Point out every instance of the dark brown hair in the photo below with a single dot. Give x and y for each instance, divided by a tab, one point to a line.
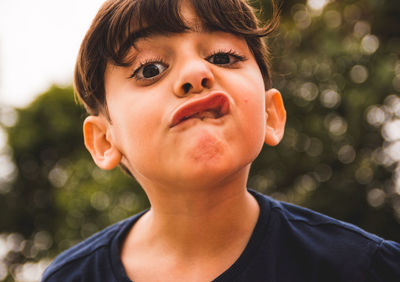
119	23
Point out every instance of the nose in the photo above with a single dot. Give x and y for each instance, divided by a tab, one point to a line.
194	76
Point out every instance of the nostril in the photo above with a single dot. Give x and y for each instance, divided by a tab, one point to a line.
186	87
204	82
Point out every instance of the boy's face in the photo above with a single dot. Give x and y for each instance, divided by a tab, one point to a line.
190	109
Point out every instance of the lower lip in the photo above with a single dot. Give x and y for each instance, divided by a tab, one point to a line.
193	121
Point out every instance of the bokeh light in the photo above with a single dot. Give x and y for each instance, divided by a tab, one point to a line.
369	44
359	74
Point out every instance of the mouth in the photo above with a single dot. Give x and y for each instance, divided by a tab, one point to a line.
213	106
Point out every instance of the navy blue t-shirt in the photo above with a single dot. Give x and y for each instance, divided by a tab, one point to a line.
289	243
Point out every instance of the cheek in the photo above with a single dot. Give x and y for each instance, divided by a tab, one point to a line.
252	115
135	128
255	124
250	94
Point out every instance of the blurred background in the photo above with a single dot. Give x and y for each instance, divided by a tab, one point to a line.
337	64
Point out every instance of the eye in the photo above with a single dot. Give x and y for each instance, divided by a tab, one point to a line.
225	58
149	70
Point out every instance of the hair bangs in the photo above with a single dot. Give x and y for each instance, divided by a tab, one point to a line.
225	16
139	19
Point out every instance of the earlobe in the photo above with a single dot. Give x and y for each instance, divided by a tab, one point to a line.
98	142
275	117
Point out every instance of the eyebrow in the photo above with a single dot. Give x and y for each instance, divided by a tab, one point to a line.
144	34
138	35
147	32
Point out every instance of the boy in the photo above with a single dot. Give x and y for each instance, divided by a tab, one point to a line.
179	95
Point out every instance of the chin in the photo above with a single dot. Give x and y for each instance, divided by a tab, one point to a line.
212	173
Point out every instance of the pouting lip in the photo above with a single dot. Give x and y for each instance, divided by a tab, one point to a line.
216	102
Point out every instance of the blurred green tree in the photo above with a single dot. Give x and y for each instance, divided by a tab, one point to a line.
56	196
337	64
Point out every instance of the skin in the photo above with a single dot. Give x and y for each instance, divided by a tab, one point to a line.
194	174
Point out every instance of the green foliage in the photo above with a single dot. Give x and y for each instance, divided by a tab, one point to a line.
339	71
336	68
58	196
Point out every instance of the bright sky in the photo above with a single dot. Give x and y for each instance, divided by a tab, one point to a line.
39	41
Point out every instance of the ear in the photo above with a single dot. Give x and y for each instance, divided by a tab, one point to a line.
275	117
98	142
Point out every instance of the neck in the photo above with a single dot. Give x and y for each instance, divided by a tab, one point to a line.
199	222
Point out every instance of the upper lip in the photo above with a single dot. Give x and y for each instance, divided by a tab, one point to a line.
218	103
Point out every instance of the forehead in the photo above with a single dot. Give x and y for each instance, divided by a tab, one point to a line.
188	21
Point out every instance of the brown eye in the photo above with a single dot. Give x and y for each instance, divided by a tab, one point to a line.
149	71
220	59
225	59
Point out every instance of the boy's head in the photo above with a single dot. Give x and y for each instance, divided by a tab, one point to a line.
119	23
177	90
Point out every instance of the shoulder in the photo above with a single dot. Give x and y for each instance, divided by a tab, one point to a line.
304	237
304	220
79	260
